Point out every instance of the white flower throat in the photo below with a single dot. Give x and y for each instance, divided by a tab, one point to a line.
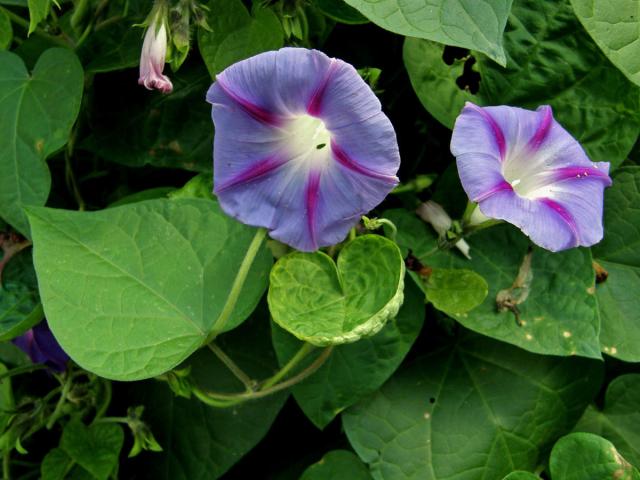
308	141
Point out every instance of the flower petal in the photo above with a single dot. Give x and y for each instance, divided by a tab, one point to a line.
301	146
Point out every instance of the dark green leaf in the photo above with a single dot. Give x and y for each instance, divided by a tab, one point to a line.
138	127
354	370
619	420
37	112
556	306
584	456
325	303
619	255
339	11
236	34
201	442
6	31
335	465
132	291
95	448
475	409
521	476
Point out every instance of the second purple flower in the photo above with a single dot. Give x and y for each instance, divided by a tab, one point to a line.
301	146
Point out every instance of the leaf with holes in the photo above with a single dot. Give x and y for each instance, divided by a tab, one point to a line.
618	257
130	292
37	112
619	420
550	60
474	24
474	406
584	456
615	27
325	303
355	370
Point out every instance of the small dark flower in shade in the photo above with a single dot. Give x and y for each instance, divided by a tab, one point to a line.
521	166
301	146
42	347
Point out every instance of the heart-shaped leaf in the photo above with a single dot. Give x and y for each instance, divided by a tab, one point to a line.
476	406
356	369
589	96
584	456
615	26
475	24
235	34
324	303
95	448
619	420
130	292
37	112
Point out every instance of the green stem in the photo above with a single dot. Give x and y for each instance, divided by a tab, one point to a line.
112	420
102	409
305	350
352	234
233	367
229	399
394	230
238	283
18	20
6	465
23	369
57	412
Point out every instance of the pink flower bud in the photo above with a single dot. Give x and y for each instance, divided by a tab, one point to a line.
154	50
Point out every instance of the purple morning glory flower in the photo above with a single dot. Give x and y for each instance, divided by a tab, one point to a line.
42	347
301	146
523	167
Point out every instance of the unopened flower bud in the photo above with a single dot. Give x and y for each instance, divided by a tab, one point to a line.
154	50
433	213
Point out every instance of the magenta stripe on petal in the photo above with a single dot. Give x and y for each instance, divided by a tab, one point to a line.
255	171
565	215
343	159
311	203
498	135
315	104
256	112
503	185
543	129
568	173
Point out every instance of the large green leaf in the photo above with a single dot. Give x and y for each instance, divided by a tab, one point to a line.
335	465
474	24
20	307
37	112
619	255
550	61
324	303
455	291
357	369
236	34
619	420
521	476
557	310
475	409
137	127
95	448
584	456
615	26
201	442
131	291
